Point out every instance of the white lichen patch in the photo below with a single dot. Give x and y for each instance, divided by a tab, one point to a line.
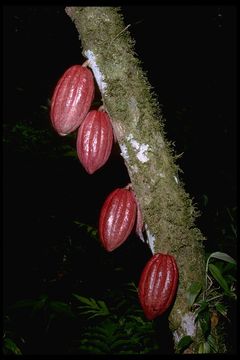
150	239
134	144
188	327
96	71
162	175
188	324
140	149
124	151
141	154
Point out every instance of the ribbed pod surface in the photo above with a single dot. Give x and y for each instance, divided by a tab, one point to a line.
117	218
158	284
72	99
94	140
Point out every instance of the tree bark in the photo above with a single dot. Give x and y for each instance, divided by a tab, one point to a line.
168	211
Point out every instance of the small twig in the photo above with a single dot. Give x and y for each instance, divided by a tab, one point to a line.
215	297
119	34
211	282
86	63
214	289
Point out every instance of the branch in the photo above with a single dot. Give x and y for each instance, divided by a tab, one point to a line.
138	123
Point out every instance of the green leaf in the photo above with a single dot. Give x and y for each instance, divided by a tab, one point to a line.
230	279
90	349
94	304
127	352
92	231
229	268
204	348
76	222
103	307
96	343
221	309
95	335
132	287
88	312
97	308
222	256
192	292
121	342
61	307
10	345
71	153
138	319
218	277
40	303
184	343
203	306
83	299
212	343
109	327
95	314
205	322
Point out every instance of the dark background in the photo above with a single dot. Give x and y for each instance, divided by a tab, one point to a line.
189	54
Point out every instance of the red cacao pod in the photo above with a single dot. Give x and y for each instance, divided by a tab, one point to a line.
72	99
158	284
117	218
94	140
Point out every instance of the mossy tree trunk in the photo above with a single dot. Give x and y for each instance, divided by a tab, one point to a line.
139	127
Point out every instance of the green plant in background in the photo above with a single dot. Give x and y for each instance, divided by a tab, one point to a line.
10	347
115	328
115	324
90	230
210	304
92	307
48	308
35	137
10	340
121	327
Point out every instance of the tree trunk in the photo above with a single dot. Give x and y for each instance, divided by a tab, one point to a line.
127	96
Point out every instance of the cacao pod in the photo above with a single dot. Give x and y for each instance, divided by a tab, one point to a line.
158	284
117	218
72	99
94	140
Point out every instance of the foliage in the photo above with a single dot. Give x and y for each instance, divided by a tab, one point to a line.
118	326
10	340
121	330
91	306
10	347
38	138
210	304
47	308
115	328
115	323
